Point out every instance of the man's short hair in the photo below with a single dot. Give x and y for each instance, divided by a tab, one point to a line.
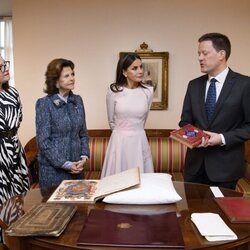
220	42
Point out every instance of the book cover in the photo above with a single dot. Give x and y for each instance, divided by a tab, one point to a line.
189	135
131	230
237	209
89	191
43	220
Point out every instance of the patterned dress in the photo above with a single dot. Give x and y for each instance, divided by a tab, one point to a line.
13	169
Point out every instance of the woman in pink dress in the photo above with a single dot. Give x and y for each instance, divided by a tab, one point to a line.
128	103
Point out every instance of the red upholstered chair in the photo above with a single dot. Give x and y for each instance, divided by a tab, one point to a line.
31	152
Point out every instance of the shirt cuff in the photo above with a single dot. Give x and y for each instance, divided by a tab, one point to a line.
223	140
84	157
67	165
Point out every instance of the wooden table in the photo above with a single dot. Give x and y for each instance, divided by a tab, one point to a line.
196	198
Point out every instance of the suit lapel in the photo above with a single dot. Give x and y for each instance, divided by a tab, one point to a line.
201	97
226	89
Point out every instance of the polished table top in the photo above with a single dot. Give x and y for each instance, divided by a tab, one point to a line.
195	198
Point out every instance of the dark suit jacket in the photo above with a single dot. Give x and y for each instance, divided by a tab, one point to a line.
231	118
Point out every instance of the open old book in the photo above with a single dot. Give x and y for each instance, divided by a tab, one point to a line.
90	191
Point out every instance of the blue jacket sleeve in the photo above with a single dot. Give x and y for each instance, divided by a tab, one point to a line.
84	133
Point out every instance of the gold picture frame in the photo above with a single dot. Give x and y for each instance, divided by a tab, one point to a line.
155	66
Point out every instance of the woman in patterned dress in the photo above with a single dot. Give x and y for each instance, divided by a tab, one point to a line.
13	169
128	104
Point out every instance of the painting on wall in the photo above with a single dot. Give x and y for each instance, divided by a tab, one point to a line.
155	68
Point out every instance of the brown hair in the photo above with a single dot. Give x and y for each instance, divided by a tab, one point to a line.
53	72
5	86
220	42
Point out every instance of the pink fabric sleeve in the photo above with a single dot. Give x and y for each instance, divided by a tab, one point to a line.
110	102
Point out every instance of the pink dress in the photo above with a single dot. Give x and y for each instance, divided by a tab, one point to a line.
128	146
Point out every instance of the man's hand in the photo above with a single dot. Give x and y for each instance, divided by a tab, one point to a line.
215	139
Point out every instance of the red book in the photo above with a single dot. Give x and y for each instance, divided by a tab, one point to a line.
189	135
106	228
237	209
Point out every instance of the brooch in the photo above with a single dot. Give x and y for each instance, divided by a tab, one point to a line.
57	102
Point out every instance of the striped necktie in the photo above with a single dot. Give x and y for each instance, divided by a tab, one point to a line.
211	99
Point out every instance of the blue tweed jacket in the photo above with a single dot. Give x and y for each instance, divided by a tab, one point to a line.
61	136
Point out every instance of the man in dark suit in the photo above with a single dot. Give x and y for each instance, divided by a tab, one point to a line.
219	160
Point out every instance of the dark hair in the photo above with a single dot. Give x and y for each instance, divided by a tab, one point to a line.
53	72
220	42
5	86
124	62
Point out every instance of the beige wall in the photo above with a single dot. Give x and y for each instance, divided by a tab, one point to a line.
93	32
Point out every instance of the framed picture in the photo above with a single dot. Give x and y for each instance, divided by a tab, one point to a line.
155	66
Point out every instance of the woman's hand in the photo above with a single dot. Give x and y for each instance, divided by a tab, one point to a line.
78	166
75	168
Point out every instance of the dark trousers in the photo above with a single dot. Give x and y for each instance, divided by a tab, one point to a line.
202	178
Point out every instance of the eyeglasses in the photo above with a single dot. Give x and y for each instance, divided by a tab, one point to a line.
5	66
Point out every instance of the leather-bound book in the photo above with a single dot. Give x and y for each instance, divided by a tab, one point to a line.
189	135
106	228
237	209
43	220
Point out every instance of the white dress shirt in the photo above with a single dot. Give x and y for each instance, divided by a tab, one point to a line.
219	84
